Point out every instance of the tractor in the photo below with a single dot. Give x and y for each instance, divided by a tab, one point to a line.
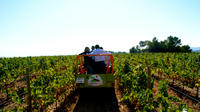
99	79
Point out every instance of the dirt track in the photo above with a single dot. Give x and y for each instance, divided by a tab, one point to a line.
97	100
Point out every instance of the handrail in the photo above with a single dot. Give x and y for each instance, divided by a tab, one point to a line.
96	55
77	60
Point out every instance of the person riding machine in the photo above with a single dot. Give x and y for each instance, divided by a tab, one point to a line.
91	73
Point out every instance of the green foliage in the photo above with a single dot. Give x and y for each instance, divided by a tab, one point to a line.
133	73
52	76
134	49
49	77
134	83
172	44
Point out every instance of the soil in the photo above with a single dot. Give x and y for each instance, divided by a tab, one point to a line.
67	105
123	107
94	100
97	100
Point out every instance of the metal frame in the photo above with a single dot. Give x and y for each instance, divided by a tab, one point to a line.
79	63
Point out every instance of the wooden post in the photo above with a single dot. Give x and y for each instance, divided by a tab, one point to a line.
40	63
197	92
29	90
149	77
197	86
199	58
6	85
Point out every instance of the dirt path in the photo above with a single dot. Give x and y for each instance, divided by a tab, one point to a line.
97	100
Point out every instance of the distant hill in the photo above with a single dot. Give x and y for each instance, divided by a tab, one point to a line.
195	49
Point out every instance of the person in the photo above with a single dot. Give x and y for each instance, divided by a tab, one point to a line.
93	48
100	62
86	51
87	60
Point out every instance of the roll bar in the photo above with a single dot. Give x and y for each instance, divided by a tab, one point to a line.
79	63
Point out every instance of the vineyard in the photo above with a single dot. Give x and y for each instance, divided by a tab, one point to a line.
49	77
38	83
137	73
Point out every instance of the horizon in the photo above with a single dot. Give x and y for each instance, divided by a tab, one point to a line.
194	50
49	28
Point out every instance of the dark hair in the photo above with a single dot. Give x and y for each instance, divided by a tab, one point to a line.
87	49
92	47
97	46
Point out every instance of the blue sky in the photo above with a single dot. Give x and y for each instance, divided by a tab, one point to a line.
65	27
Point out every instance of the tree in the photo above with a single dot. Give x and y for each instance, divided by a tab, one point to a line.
154	45
185	48
171	44
173	41
144	43
135	49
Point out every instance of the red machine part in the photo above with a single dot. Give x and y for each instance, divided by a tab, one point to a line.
79	63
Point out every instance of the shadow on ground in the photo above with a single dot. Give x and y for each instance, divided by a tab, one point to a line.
97	100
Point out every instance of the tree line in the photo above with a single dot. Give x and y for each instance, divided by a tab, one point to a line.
171	44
